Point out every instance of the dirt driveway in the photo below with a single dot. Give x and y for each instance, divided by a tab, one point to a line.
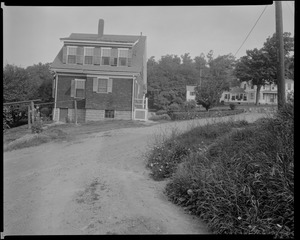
96	184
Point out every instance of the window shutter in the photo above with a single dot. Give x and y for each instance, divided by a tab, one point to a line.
109	85
95	84
79	56
64	59
73	88
97	55
129	57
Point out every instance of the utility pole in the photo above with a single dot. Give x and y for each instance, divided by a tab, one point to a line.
280	54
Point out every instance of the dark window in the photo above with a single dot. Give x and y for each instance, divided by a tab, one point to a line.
88	60
80	93
232	97
105	60
72	59
122	61
109	113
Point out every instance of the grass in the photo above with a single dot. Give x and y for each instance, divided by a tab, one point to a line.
21	137
237	177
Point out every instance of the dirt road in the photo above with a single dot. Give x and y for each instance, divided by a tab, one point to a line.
96	184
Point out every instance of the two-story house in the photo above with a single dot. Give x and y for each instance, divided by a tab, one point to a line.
246	93
100	76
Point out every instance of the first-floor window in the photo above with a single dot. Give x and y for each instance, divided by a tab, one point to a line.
289	86
78	88
192	93
102	85
232	97
109	113
251	95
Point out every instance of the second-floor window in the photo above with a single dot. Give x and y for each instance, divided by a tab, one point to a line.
106	53
289	86
71	54
88	55
122	57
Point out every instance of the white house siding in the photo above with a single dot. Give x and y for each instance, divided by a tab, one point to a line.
267	95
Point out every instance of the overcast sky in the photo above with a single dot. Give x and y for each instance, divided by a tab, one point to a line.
31	34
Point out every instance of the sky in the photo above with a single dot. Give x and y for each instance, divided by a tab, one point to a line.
32	34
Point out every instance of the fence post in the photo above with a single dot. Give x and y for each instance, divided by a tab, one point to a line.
32	111
28	116
75	106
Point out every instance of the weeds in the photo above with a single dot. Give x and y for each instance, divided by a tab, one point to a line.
237	177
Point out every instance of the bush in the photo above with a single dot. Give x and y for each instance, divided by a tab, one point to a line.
160	117
160	112
189	105
37	127
244	182
174	107
232	106
194	115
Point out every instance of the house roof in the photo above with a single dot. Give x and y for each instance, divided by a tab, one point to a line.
137	53
104	38
190	88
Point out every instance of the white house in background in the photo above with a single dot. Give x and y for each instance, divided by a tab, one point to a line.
190	93
246	93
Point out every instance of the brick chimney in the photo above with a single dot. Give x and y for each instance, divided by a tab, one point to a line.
100	28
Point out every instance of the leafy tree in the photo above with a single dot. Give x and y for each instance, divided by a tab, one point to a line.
41	78
254	67
209	94
218	77
270	48
260	65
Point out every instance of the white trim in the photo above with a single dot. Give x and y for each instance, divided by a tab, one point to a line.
55	97
98	42
109	76
132	107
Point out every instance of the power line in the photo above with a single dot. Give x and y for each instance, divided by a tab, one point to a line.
251	30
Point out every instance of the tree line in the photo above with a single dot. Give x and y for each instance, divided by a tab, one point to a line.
167	78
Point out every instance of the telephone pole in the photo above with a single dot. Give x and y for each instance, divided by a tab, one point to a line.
280	55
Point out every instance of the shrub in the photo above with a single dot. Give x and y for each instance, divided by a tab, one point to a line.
232	106
160	112
37	127
189	105
174	107
194	115
160	117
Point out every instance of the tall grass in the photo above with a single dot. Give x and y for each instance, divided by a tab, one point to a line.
242	181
